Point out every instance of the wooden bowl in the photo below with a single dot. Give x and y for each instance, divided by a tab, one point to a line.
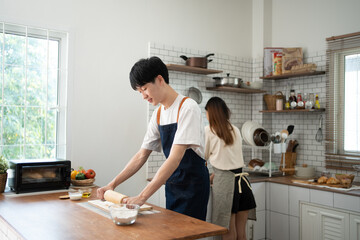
85	182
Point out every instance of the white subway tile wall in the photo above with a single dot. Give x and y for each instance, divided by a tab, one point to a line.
246	107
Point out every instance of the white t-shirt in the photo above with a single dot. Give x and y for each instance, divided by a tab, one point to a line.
221	156
190	129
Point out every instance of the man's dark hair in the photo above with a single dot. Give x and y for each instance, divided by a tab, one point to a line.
146	70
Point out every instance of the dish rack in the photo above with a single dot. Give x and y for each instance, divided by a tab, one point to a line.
269	172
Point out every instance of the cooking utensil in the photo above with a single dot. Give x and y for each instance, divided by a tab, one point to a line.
261	137
319	134
195	94
290	129
200	62
284	135
227	81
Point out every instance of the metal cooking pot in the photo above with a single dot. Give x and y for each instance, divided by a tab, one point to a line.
227	81
197	61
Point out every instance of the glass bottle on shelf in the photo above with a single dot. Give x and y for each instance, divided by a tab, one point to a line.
305	99
300	102
310	101
292	99
317	103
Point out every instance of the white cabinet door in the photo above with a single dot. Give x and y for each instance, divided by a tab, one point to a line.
259	190
354	226
323	223
309	223
279	198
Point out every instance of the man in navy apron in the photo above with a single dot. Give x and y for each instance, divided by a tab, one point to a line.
176	127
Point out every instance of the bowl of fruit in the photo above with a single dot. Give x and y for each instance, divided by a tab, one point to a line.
82	177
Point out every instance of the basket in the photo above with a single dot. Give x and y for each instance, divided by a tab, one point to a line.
3	178
85	182
270	100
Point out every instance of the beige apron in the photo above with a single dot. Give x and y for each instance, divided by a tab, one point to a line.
222	196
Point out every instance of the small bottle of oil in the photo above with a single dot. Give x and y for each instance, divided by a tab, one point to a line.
86	193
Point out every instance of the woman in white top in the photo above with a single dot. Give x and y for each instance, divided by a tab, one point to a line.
232	194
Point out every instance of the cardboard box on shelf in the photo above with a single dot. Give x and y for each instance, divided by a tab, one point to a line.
268	60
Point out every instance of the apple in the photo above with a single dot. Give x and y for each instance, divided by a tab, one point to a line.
90	173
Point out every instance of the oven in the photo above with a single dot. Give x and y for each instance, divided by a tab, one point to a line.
32	175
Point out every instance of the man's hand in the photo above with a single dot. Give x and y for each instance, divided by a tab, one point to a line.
134	200
101	191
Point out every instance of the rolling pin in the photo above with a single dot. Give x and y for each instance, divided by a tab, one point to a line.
114	197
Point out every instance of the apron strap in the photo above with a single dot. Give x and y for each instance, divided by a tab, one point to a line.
177	119
158	115
182	101
242	176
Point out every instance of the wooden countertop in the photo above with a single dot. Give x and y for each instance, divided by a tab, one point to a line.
45	216
287	180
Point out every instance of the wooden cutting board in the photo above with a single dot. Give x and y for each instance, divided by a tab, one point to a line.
104	205
321	184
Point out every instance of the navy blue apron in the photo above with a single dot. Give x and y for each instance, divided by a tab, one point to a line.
187	189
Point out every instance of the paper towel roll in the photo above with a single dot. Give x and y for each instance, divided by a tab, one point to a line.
114	197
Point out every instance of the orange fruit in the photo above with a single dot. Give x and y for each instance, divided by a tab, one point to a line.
73	174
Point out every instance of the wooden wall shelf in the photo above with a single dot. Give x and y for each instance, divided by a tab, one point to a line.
295	111
197	70
293	75
235	89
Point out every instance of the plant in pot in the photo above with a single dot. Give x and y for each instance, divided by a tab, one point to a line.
4	166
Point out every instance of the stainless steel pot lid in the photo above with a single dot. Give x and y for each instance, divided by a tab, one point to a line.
195	94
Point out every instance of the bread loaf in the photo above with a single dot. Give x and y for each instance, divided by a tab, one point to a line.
322	179
256	162
333	180
114	197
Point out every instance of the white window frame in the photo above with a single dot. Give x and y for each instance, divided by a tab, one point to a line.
340	65
61	107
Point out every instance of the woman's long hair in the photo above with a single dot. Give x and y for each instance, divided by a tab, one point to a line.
219	119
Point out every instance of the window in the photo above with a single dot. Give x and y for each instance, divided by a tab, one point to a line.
33	76
343	102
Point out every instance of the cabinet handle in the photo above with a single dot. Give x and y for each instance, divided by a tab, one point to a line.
252	232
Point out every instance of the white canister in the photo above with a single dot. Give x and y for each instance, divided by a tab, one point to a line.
277	147
279	104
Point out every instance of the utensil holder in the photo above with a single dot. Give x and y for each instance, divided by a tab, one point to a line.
277	147
290	162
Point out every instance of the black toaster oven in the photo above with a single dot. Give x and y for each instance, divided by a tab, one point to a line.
32	175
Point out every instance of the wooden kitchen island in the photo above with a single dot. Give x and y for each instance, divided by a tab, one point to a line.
45	216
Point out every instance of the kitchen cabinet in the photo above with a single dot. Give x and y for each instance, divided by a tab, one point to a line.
354	226
255	230
293	75
319	222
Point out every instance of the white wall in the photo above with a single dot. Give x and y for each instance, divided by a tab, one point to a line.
107	119
308	23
